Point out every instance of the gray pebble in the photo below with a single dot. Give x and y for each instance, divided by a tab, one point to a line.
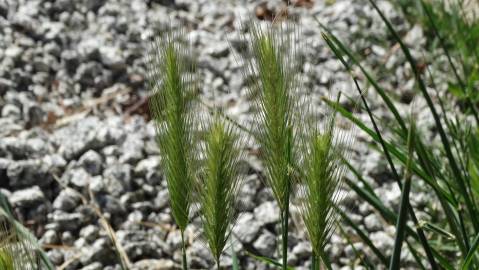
265	244
29	197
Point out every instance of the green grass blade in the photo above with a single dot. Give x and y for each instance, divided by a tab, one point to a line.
436	229
404	206
470	255
362	257
415	254
363	236
366	185
339	50
391	218
391	148
234	257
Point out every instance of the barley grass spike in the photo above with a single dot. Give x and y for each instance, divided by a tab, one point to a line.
172	86
219	185
274	65
322	179
17	251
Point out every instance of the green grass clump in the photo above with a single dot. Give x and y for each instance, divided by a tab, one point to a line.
219	184
447	238
172	106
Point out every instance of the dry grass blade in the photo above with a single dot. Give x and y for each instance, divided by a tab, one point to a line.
122	256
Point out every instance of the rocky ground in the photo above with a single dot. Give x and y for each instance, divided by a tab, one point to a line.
76	136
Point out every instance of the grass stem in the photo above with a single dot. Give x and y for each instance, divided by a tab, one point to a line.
314	262
325	259
284	237
183	250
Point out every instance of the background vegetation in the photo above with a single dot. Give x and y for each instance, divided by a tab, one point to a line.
313	158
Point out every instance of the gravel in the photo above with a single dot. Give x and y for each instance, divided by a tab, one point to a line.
74	114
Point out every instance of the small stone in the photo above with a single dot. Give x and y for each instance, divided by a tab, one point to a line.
415	36
67	221
372	223
91	75
150	169
67	200
26	173
200	258
152	264
92	162
382	240
302	250
12	111
132	149
29	197
67	238
350	252
118	178
218	49
142	249
78	177
265	244
88	49
5	85
75	139
71	60
112	58
152	163
162	199
246	228
50	237
34	114
101	251
89	233
13	52
267	213
93	266
111	205
97	184
55	256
